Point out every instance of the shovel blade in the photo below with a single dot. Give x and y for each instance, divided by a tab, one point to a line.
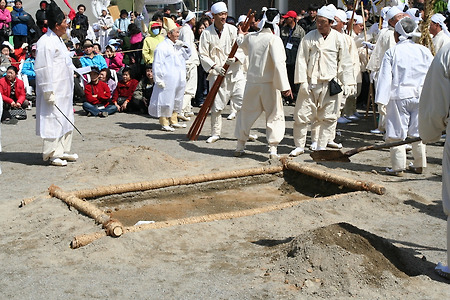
329	155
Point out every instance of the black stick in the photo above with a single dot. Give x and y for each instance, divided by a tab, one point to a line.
82	137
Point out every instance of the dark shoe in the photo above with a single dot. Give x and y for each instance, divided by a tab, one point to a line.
417	170
12	121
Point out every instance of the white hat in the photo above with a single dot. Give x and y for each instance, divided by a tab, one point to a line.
384	10
242	18
190	16
393	12
414	14
349	14
341	15
209	14
440	19
358	19
328	12
219	7
400	30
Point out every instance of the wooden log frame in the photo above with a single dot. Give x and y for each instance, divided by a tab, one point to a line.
73	199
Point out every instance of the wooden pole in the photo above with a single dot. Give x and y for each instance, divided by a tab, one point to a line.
350	28
199	121
425	39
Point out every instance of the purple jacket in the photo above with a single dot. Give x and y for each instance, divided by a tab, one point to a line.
5	18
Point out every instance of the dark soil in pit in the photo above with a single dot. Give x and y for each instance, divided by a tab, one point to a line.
340	258
214	197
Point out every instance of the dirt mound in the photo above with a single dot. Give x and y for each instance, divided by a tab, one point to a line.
340	258
121	164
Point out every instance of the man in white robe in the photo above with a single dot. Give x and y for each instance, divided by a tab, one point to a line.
215	45
54	90
384	42
266	77
169	73
434	114
187	36
439	30
323	56
399	86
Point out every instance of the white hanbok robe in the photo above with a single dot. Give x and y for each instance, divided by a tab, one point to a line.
187	36
440	40
398	80
434	113
384	42
105	34
54	73
169	66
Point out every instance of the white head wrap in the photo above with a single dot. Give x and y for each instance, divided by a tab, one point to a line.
219	7
341	15
359	19
392	12
328	12
209	14
190	16
403	35
412	14
349	14
241	19
274	22
440	19
384	10
105	9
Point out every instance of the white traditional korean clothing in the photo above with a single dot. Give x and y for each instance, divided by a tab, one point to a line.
266	77
440	40
54	73
187	36
169	66
434	114
318	61
105	34
399	86
214	51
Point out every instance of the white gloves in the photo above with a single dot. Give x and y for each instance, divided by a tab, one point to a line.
50	97
179	43
349	90
161	84
368	45
230	61
220	70
372	76
304	88
24	45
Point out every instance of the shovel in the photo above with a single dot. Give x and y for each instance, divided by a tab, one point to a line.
338	155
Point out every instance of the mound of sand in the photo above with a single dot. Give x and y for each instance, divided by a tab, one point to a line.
340	258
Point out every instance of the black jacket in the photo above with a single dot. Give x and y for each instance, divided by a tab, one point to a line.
293	37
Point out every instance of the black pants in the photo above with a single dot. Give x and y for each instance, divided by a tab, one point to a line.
294	87
18	40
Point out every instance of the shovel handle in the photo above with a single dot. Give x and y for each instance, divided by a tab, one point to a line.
381	146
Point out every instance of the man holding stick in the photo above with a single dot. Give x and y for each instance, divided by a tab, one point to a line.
215	45
267	76
54	90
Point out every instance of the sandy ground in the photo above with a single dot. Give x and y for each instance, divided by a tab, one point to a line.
385	247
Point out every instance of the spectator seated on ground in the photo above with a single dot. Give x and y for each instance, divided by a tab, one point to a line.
105	76
113	59
124	91
28	68
13	92
21	53
143	92
91	58
98	97
6	59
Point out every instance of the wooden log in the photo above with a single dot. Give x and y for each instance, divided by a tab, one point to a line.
162	183
85	239
113	227
357	185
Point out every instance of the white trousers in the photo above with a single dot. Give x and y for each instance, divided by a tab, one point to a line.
259	98
54	148
191	88
398	155
315	107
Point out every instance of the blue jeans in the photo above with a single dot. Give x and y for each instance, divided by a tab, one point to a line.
93	109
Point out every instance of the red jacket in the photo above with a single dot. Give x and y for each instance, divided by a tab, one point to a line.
5	89
101	89
125	90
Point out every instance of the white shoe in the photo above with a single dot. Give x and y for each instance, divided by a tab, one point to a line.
353	118
252	137
231	116
58	162
321	148
313	146
297	151
273	155
343	120
178	125
376	131
213	139
183	118
189	114
167	128
333	144
69	157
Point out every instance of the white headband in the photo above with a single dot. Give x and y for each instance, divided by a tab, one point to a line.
393	12
400	30
274	22
189	17
219	7
439	19
328	12
341	15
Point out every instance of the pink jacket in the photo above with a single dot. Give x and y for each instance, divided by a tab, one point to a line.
115	63
5	17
